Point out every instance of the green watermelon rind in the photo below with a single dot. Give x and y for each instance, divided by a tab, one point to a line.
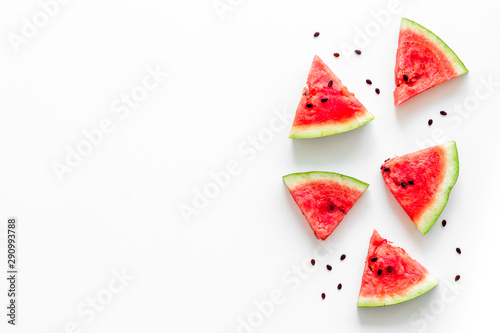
316	131
429	282
427	219
301	178
450	54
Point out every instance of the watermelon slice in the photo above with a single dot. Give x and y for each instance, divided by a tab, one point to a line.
423	61
326	106
324	198
421	182
391	276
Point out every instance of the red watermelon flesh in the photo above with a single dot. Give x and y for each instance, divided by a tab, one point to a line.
324	198
423	61
421	182
326	106
391	276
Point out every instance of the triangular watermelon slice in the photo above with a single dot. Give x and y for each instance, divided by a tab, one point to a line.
423	61
324	198
421	182
391	276
326	106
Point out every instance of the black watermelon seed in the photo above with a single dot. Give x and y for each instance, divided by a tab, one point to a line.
369	81
403	184
309	105
381	167
387	169
443	113
358	51
457	277
342	257
370	267
373	259
430	122
459	251
411	182
328	267
389	270
323	296
330	83
377	91
405	77
336	55
316	34
323	100
313	262
387	159
305	93
332	207
444	223
339	286
379	272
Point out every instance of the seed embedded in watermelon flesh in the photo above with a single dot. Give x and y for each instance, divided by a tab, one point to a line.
404	277
315	118
423	61
324	198
433	172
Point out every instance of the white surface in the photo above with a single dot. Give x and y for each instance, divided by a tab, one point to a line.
119	209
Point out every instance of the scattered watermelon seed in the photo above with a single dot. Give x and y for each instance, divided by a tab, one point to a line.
377	90
387	169
369	81
336	55
370	267
387	159
389	270
430	122
459	251
323	100
373	259
403	184
443	113
332	207
339	286
457	277
342	257
330	83
358	51
379	272
444	223
405	77
411	182
309	105
323	295
328	267
313	262
316	34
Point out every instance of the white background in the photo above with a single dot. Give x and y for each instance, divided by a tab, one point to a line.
118	211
